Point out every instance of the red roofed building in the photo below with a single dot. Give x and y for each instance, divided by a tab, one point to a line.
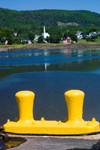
67	40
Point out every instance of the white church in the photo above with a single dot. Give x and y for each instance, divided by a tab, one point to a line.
45	34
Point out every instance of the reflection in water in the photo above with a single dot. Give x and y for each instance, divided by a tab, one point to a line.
69	52
87	65
29	53
48	57
46	66
11	142
14	142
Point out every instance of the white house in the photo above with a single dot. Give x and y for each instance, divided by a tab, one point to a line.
92	34
79	35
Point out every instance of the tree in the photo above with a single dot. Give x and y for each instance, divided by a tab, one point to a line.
55	35
93	29
24	38
55	38
48	39
71	34
74	37
91	39
10	39
40	39
31	36
6	34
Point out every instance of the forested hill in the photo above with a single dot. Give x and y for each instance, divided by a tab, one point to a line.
15	19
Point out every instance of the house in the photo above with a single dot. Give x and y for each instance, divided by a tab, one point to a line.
92	34
79	35
6	42
67	40
98	33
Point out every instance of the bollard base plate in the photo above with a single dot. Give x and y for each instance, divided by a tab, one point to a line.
43	127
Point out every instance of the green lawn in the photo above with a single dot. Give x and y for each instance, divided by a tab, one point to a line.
87	42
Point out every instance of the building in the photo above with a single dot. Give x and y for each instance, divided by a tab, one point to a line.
92	34
36	37
6	42
45	34
67	40
79	35
15	33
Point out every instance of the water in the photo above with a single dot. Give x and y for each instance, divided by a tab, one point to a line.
11	142
50	73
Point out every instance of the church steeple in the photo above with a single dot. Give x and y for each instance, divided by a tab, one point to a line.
44	29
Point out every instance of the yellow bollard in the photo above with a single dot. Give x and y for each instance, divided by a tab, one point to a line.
74	100
74	125
25	100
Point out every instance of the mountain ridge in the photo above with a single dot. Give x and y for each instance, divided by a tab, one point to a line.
48	17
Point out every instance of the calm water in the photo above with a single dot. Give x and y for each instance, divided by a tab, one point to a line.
11	142
50	73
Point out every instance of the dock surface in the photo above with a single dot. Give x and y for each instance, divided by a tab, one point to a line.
62	143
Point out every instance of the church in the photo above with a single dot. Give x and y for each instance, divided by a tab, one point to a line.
45	34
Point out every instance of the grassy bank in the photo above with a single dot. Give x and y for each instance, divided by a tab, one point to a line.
49	44
29	45
80	44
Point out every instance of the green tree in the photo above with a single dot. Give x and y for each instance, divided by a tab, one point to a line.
24	38
55	38
91	39
48	39
71	34
31	36
7	34
55	35
40	39
93	29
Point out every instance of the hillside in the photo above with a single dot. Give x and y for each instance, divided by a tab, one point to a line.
16	19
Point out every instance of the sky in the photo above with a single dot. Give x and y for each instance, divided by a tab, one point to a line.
91	5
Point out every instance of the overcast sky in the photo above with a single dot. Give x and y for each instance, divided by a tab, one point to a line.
91	5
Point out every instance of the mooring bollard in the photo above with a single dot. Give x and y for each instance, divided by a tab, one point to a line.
74	125
74	100
25	100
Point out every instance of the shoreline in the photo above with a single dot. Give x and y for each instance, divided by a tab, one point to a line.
35	47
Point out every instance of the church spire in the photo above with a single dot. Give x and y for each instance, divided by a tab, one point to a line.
44	29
